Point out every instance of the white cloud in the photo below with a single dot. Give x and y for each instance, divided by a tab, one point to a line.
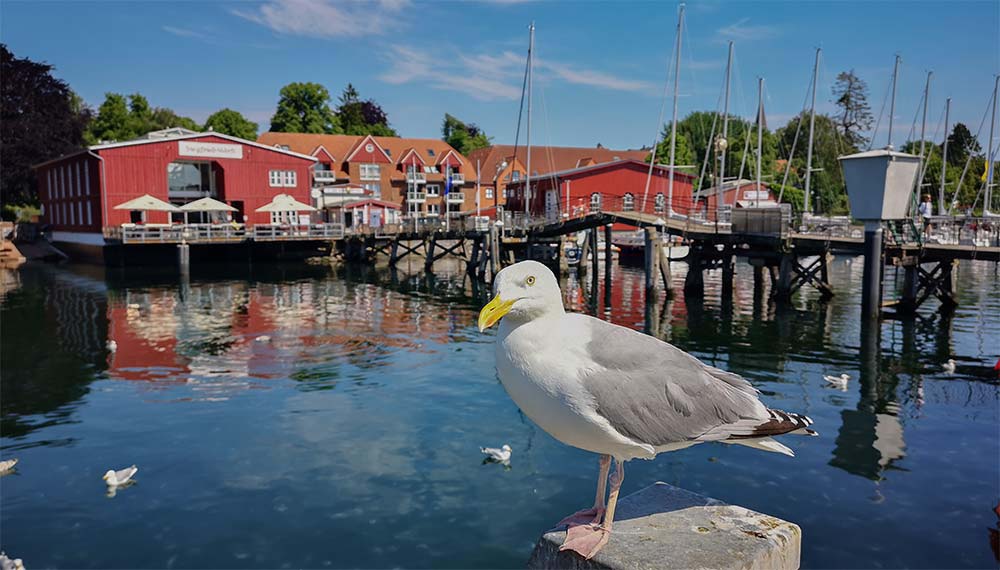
325	18
492	76
742	31
185	32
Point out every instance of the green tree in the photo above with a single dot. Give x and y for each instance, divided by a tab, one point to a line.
112	122
463	137
230	122
40	119
829	195
850	93
305	108
359	117
961	144
163	118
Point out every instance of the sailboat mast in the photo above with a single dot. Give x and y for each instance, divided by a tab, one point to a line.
988	194
812	125
760	134
527	180
673	121
725	134
944	156
892	105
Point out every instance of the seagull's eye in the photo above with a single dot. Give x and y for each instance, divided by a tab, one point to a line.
530	280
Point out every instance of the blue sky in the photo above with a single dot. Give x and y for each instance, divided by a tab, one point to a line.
600	68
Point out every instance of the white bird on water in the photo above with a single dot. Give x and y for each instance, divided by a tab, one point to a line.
7	563
112	346
614	391
837	381
949	366
7	466
120	477
501	455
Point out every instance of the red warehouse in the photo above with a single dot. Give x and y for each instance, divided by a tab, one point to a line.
117	193
618	186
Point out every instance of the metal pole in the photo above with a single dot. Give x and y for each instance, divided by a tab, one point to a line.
871	285
673	121
760	134
989	151
477	190
892	105
944	156
812	125
923	129
527	180
725	136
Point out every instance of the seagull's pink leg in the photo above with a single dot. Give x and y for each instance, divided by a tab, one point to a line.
593	514
588	539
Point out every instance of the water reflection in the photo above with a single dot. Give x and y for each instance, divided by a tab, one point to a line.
352	400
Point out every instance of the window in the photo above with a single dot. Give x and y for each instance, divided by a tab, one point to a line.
506	178
370	172
433	209
628	202
489	193
413	207
660	203
433	190
431	169
517	175
137	216
595	202
283	217
375	188
430	152
282	178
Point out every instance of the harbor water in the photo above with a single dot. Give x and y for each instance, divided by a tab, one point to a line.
322	416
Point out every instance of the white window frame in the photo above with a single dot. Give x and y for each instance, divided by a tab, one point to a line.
433	190
433	209
489	193
516	176
659	203
289	178
595	202
371	171
628	202
274	178
432	169
413	207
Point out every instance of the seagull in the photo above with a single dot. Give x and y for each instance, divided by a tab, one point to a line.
120	477
949	366
614	391
10	564
112	346
837	381
7	466
263	338
501	455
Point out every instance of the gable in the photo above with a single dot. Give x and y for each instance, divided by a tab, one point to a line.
368	150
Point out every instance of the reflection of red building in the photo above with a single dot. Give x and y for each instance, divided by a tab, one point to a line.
591	188
79	191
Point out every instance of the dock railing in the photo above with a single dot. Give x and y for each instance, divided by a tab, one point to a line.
279	232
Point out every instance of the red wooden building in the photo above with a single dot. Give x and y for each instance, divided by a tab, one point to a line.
740	193
618	185
79	191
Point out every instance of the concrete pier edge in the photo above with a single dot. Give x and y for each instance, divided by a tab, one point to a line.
664	527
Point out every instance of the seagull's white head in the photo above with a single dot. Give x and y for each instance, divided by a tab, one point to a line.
506	447
109	476
522	292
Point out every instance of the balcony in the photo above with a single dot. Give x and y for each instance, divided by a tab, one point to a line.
453	197
416	177
324	176
457	178
416	196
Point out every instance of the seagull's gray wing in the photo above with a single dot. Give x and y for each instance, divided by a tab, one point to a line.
655	393
123	475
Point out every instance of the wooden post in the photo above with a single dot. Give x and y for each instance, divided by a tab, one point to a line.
948	298
584	252
394	252
594	262
652	251
694	282
429	246
607	267
785	273
494	251
824	273
663	256
758	278
728	274
473	262
911	283
184	258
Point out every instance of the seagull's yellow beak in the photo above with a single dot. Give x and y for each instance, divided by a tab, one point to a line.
493	312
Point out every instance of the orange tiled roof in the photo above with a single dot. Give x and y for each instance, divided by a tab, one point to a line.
340	146
545	159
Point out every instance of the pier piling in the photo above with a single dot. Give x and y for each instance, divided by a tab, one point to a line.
871	286
652	265
184	258
607	266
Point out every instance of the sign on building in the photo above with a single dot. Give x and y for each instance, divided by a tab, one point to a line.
210	150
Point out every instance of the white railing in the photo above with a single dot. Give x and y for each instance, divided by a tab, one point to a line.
324	176
457	178
416	196
417	177
477	223
176	233
456	197
277	232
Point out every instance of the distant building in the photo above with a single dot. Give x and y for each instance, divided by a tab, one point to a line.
619	185
499	167
740	193
411	173
79	192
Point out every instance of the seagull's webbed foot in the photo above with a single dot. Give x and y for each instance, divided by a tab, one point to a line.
586	539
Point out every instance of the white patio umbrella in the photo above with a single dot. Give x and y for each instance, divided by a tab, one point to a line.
147	203
285	203
206	204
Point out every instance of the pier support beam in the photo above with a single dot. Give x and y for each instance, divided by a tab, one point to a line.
663	258
871	285
694	282
594	262
792	275
494	245
728	275
652	263
184	258
607	267
919	284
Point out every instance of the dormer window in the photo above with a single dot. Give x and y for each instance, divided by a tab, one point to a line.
430	152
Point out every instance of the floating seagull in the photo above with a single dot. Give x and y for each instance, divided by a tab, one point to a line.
120	477
501	455
7	466
10	564
263	338
112	346
949	366
837	381
614	391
